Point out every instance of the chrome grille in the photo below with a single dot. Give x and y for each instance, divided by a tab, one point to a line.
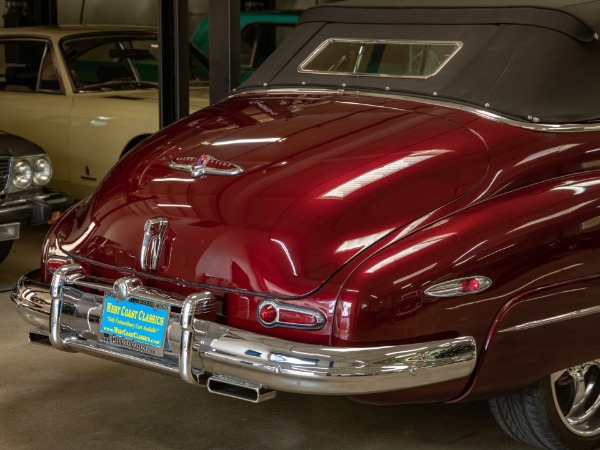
4	173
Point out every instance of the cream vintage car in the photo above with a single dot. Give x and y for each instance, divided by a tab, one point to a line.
87	95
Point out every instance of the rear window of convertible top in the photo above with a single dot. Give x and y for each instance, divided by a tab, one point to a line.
385	58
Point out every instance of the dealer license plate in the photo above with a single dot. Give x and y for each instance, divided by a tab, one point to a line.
136	324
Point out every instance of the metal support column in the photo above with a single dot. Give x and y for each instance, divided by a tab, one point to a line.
173	61
224	48
45	12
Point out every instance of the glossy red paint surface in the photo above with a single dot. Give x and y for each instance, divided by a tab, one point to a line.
529	331
355	204
323	178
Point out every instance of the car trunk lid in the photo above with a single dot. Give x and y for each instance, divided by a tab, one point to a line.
324	177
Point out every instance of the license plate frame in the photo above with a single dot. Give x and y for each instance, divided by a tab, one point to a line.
135	323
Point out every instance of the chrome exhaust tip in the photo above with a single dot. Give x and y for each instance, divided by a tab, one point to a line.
239	389
39	338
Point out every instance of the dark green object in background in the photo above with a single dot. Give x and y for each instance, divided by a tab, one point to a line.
262	32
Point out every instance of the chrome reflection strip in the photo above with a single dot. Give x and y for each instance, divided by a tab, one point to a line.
191	304
221	350
554	319
542	127
294	367
58	281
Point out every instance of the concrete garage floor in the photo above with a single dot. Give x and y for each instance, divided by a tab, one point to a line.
51	399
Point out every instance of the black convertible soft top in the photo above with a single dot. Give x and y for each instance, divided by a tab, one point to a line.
579	19
532	60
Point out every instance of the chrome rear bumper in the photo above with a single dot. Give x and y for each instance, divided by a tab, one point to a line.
207	353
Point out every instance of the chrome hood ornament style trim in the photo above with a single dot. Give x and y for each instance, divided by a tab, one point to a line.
155	231
204	165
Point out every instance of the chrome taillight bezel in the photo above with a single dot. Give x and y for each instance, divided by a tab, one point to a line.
456	287
281	308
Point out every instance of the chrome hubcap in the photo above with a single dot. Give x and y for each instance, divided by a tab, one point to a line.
576	393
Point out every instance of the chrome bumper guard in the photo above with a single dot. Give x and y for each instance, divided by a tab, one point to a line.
229	360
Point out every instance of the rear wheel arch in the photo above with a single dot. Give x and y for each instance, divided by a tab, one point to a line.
528	333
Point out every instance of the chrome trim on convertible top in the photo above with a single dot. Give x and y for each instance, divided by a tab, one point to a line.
533	126
199	350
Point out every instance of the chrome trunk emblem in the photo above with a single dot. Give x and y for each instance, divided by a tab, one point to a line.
154	236
204	165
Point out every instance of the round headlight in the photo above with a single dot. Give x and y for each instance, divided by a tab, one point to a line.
22	174
42	171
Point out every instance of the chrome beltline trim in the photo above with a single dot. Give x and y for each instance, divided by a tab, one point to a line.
554	319
198	349
533	126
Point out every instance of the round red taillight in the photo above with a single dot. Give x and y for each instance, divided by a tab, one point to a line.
474	284
470	285
268	313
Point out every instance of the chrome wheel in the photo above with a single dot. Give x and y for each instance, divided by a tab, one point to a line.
576	393
559	412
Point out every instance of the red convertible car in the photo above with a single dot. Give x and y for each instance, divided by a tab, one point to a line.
401	205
